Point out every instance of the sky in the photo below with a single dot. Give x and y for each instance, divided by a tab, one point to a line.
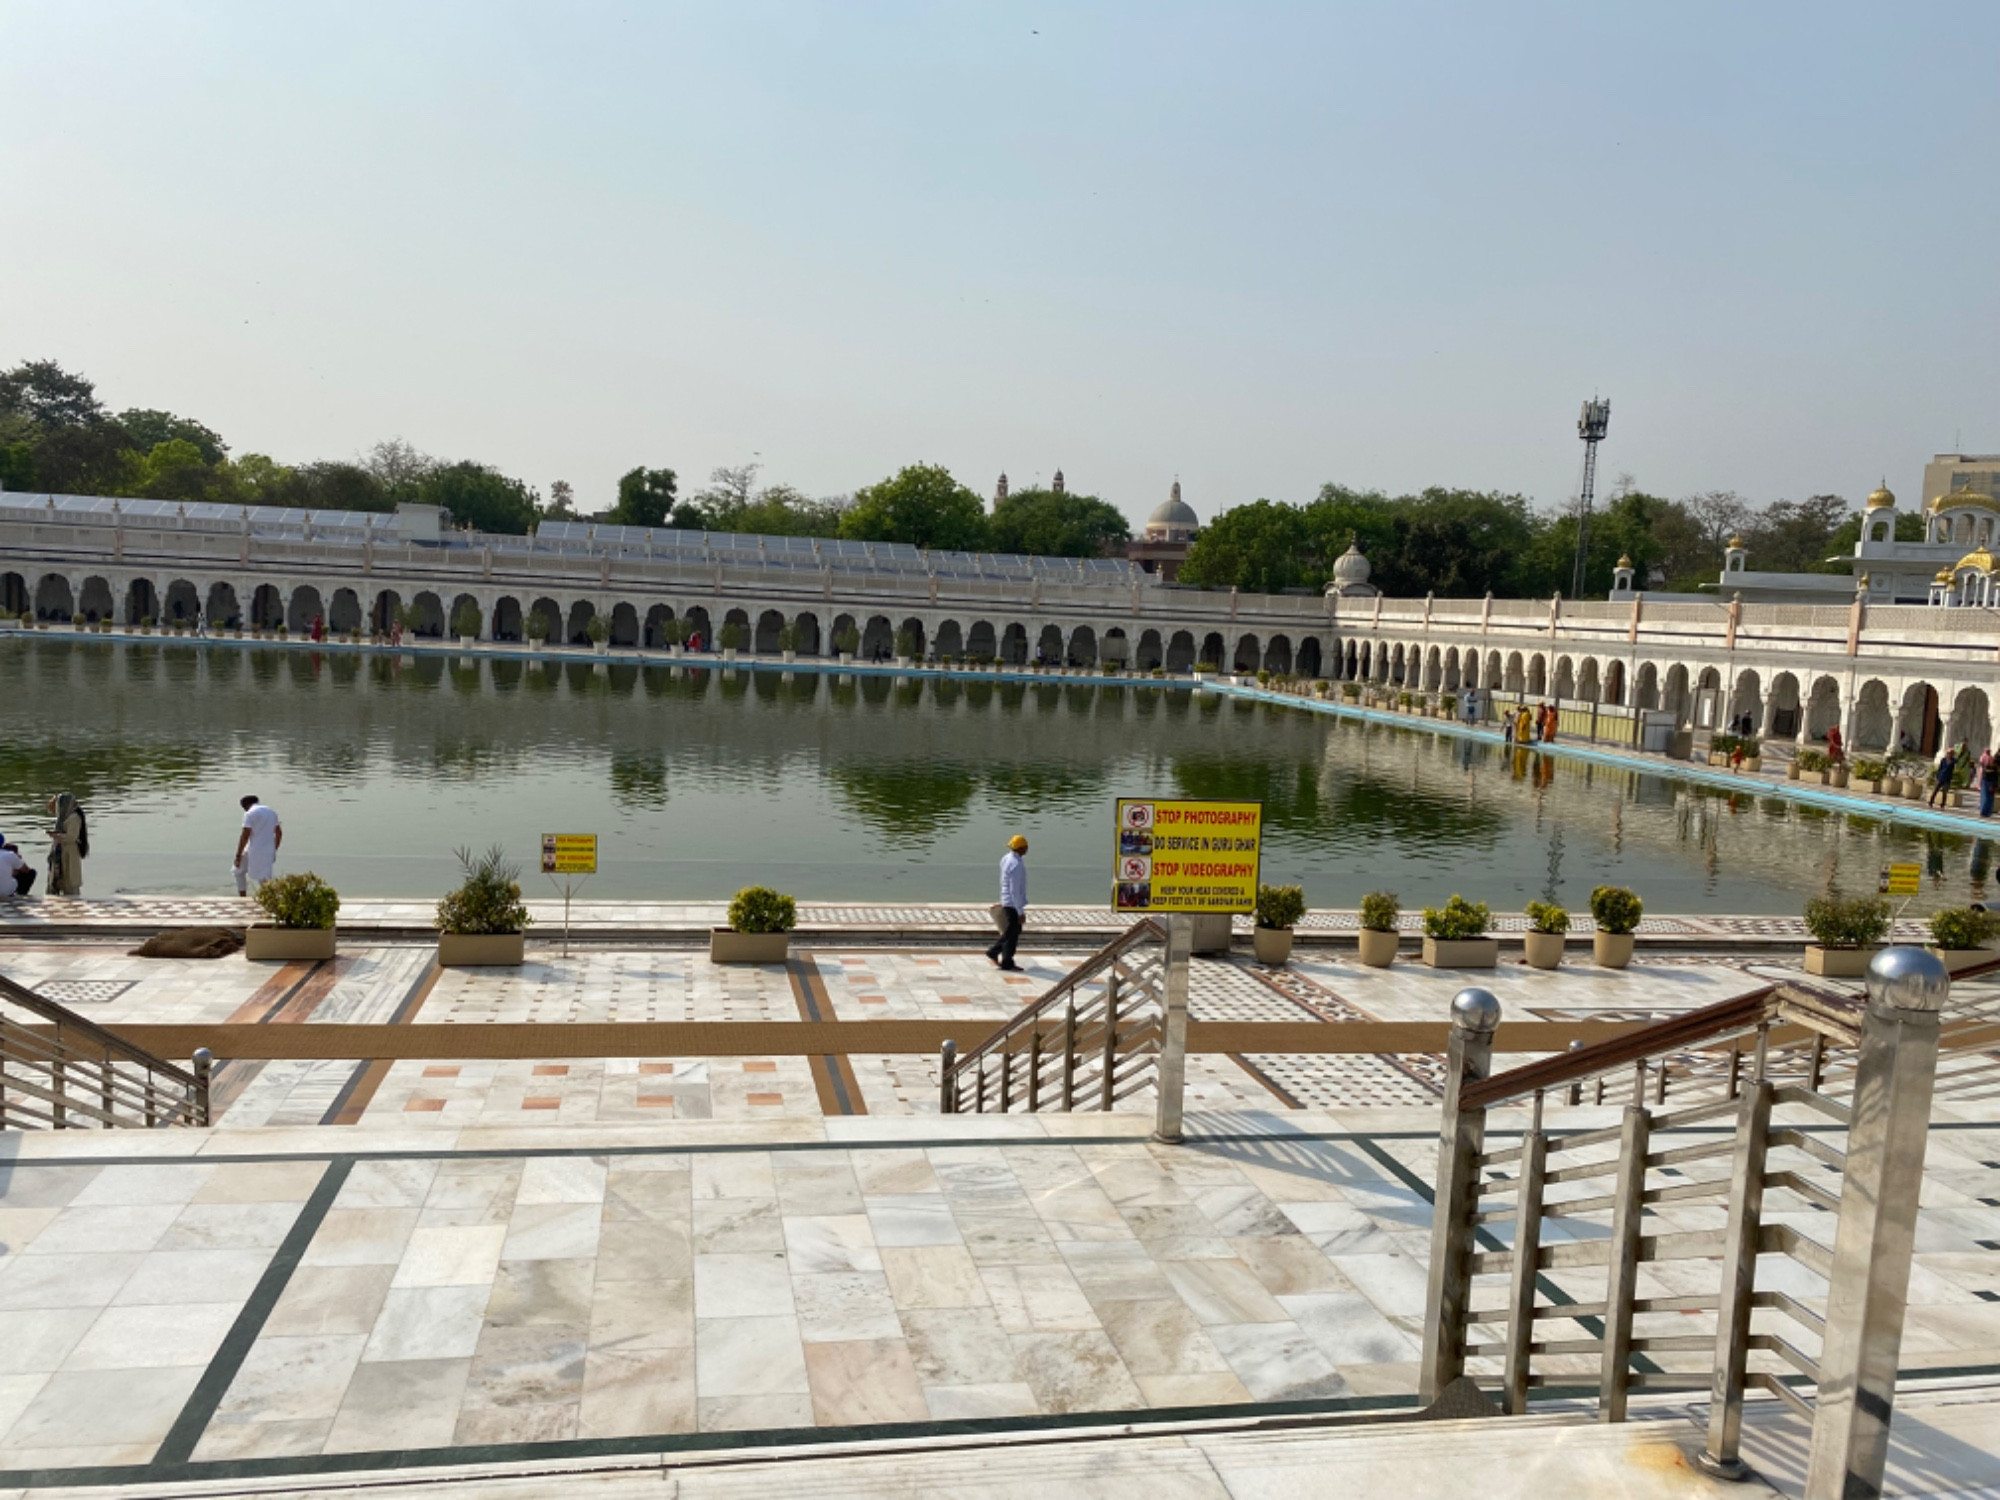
1255	247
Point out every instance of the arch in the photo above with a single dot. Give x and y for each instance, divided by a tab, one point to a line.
427	616
1350	655
96	602
1179	655
1971	720
1822	710
507	623
919	637
1588	684
1873	726
1151	653
222	606
1538	675
1646	690
765	641
1247	656
1515	678
1455	669
624	623
1014	645
878	638
301	610
576	629
1917	726
456	614
1048	646
807	626
1396	663
950	640
381	615
1746	701
550	614
53	600
1433	670
698	624
1783	715
982	642
1614	684
267	607
1082	648
1676	696
1308	662
1278	656
1368	661
1565	683
344	613
13	593
1211	649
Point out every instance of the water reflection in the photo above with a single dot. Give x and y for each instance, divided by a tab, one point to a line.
703	779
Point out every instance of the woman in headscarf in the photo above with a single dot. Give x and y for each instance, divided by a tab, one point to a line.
69	845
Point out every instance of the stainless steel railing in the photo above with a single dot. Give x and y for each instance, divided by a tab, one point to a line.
59	1071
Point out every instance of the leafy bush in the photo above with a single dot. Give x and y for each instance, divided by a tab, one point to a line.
1350	691
906	643
733	636
1263	677
302	900
848	641
1546	916
788	636
1379	911
538	626
1838	921
1456	920
758	908
1404	700
1812	760
1962	927
1615	909
1870	770
597	630
1280	906
468	619
1449	703
489	901
675	630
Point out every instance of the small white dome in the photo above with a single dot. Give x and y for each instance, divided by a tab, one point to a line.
1351	567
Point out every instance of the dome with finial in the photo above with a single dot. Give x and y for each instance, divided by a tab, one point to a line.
1351	571
1624	560
1056	484
1174	519
1882	499
1736	544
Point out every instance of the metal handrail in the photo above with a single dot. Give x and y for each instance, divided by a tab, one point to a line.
1141	931
109	1042
74	1074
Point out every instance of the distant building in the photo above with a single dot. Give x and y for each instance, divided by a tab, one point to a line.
1954	473
1170	531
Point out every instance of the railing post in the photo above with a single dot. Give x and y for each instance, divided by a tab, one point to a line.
1621	1277
1527	1250
1069	1055
947	1084
1876	1233
1171	1073
1739	1283
1035	1068
1110	1037
204	1075
1461	1137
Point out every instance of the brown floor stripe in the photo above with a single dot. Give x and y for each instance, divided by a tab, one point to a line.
290	995
1283	1095
354	1100
832	1074
273	992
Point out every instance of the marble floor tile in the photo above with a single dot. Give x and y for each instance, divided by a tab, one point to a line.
1288	1263
151	1183
845	1306
261	1182
434	1322
749	1357
1077	1371
1223	1291
754	1413
562	1179
387	1184
399	1404
921	1277
226	1439
101	1408
480	1425
959	1346
530	1293
741	1286
1116	1271
1339	1228
816	1185
1276	1361
533	1366
39	1281
737	1226
1397	1286
225	1226
330	1299
819	1244
1161	1338
636	1393
38	1341
83	1230
165	1276
894	1173
862	1381
955	1403
552	1231
292	1379
1348	1330
1212	1389
133	1338
642	1315
906	1220
1037	1298
361	1237
734	1174
465	1255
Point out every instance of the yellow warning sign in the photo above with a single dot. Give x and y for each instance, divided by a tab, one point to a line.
1902	880
1187	856
569	854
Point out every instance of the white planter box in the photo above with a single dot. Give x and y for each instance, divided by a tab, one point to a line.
729	653
483	950
1956	959
264	943
790	656
1462	953
1838	963
467	642
728	946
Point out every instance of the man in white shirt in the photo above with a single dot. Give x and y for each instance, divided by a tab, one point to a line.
1013	902
15	874
257	845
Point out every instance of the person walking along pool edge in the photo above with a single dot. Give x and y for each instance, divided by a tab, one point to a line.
257	846
1013	902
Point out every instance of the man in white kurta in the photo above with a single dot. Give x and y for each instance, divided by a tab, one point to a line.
257	845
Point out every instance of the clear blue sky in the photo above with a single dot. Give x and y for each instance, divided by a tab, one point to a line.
1257	246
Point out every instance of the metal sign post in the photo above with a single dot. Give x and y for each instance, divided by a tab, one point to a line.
568	854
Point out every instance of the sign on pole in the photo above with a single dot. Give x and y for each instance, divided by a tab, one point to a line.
1902	879
569	854
1176	856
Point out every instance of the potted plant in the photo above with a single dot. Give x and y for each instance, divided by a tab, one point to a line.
301	908
538	629
1547	925
1455	936
847	643
467	623
1959	936
1811	766
1836	775
1404	703
481	923
788	641
1615	911
1448	706
599	633
731	640
1379	934
1846	932
906	647
1351	691
1869	776
145	624
759	930
674	632
1279	908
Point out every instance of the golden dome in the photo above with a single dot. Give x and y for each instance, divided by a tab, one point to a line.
1942	578
1978	559
1624	560
1963	500
1736	544
1882	499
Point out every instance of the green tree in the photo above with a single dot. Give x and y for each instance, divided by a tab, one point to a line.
75	448
1458	544
176	470
1794	536
1051	523
1262	547
50	398
921	505
645	497
330	484
17	466
146	430
480	497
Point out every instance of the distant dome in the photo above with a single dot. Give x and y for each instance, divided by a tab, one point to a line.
1736	544
1624	560
1882	499
1174	511
1350	573
1978	558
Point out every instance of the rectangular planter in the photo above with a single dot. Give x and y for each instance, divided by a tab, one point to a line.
481	950
1873	788
728	946
265	943
1462	953
1956	959
1812	778
1838	963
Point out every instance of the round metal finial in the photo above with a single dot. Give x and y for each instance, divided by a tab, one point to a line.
1475	1010
1908	979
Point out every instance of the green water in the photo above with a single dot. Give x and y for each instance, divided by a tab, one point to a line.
700	781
